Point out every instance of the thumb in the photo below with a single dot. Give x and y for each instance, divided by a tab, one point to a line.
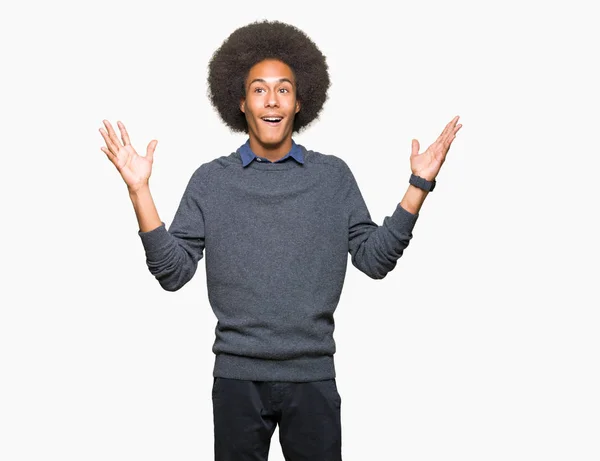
415	148
150	149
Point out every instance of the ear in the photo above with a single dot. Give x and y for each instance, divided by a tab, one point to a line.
297	106
242	105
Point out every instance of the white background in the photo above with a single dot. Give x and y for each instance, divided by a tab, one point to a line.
481	345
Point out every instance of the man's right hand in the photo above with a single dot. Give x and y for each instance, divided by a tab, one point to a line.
134	169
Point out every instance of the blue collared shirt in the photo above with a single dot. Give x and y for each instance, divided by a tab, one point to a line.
247	155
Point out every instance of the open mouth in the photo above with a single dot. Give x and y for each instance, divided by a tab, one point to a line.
273	121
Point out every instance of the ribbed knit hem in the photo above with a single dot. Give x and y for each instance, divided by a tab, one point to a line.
254	369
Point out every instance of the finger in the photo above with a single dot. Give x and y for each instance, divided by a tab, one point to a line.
449	132
108	141
150	150
124	134
452	135
112	134
450	139
415	148
112	157
449	128
441	139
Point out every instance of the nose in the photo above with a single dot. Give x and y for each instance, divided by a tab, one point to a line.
271	99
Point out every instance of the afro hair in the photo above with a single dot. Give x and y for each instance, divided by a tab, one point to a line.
248	45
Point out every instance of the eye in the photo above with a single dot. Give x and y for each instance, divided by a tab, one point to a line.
258	89
284	90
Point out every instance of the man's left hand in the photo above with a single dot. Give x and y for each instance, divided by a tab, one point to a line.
427	164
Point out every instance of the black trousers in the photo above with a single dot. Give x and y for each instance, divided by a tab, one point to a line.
247	412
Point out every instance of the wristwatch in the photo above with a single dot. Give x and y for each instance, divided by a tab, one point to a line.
421	183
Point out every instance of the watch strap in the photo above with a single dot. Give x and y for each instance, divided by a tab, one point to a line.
421	183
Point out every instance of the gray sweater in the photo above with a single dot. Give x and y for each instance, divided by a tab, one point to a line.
275	238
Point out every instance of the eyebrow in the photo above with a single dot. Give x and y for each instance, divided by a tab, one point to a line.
284	79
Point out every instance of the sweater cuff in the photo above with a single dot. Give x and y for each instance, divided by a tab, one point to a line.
402	219
156	238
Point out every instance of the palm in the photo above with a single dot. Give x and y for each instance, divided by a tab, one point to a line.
427	164
134	169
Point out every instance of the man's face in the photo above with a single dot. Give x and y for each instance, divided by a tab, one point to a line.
270	106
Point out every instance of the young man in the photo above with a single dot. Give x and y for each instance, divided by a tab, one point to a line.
276	223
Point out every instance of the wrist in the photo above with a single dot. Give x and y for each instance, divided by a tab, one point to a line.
413	199
139	190
427	176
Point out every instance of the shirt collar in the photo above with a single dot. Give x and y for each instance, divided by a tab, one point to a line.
247	155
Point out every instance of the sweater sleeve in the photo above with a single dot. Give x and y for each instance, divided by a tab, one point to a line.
375	249
172	256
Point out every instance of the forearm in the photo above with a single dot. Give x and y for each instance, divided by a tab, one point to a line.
145	209
375	249
413	199
172	255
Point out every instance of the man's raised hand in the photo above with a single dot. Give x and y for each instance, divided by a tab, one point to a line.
427	165
134	169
